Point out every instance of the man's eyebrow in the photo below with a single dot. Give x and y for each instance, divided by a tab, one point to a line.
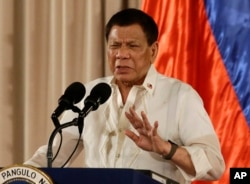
119	41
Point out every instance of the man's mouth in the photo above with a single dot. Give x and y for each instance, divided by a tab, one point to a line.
122	69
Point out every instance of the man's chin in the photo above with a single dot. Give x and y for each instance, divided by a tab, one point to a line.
124	81
123	77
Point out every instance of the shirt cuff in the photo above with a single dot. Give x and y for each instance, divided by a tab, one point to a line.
201	164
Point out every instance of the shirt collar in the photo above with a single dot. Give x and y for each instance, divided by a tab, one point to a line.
150	80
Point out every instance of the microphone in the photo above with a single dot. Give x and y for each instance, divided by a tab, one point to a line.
72	95
98	95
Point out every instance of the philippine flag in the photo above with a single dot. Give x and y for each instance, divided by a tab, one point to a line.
206	43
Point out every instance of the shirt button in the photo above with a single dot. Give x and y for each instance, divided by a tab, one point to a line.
118	155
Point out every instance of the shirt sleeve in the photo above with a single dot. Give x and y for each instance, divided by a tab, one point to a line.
199	138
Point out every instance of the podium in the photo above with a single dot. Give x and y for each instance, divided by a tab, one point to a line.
98	176
25	173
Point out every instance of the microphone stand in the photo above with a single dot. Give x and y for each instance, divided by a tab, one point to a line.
80	122
74	122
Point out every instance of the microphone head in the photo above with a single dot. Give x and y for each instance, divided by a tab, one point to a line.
73	94
101	91
98	95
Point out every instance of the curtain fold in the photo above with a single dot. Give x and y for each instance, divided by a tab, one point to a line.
44	47
194	46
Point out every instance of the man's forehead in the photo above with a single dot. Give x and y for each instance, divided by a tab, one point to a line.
116	40
128	33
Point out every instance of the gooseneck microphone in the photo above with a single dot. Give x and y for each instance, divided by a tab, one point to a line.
98	95
72	95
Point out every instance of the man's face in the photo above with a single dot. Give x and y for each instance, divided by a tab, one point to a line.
129	54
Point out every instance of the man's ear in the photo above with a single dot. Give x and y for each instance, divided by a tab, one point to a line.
154	50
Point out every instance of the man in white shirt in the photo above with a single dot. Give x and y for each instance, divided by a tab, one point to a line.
150	121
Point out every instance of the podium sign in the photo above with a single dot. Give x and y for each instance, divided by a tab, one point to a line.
23	174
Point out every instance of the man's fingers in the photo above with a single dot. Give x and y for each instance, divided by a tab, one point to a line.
154	131
145	120
141	124
132	135
134	119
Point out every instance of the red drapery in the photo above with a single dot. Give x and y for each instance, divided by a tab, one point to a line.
188	51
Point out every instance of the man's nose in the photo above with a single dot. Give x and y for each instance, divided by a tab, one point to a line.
122	53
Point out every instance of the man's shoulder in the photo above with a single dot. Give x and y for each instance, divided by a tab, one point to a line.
171	81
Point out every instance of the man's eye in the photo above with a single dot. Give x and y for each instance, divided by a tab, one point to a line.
114	45
133	45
